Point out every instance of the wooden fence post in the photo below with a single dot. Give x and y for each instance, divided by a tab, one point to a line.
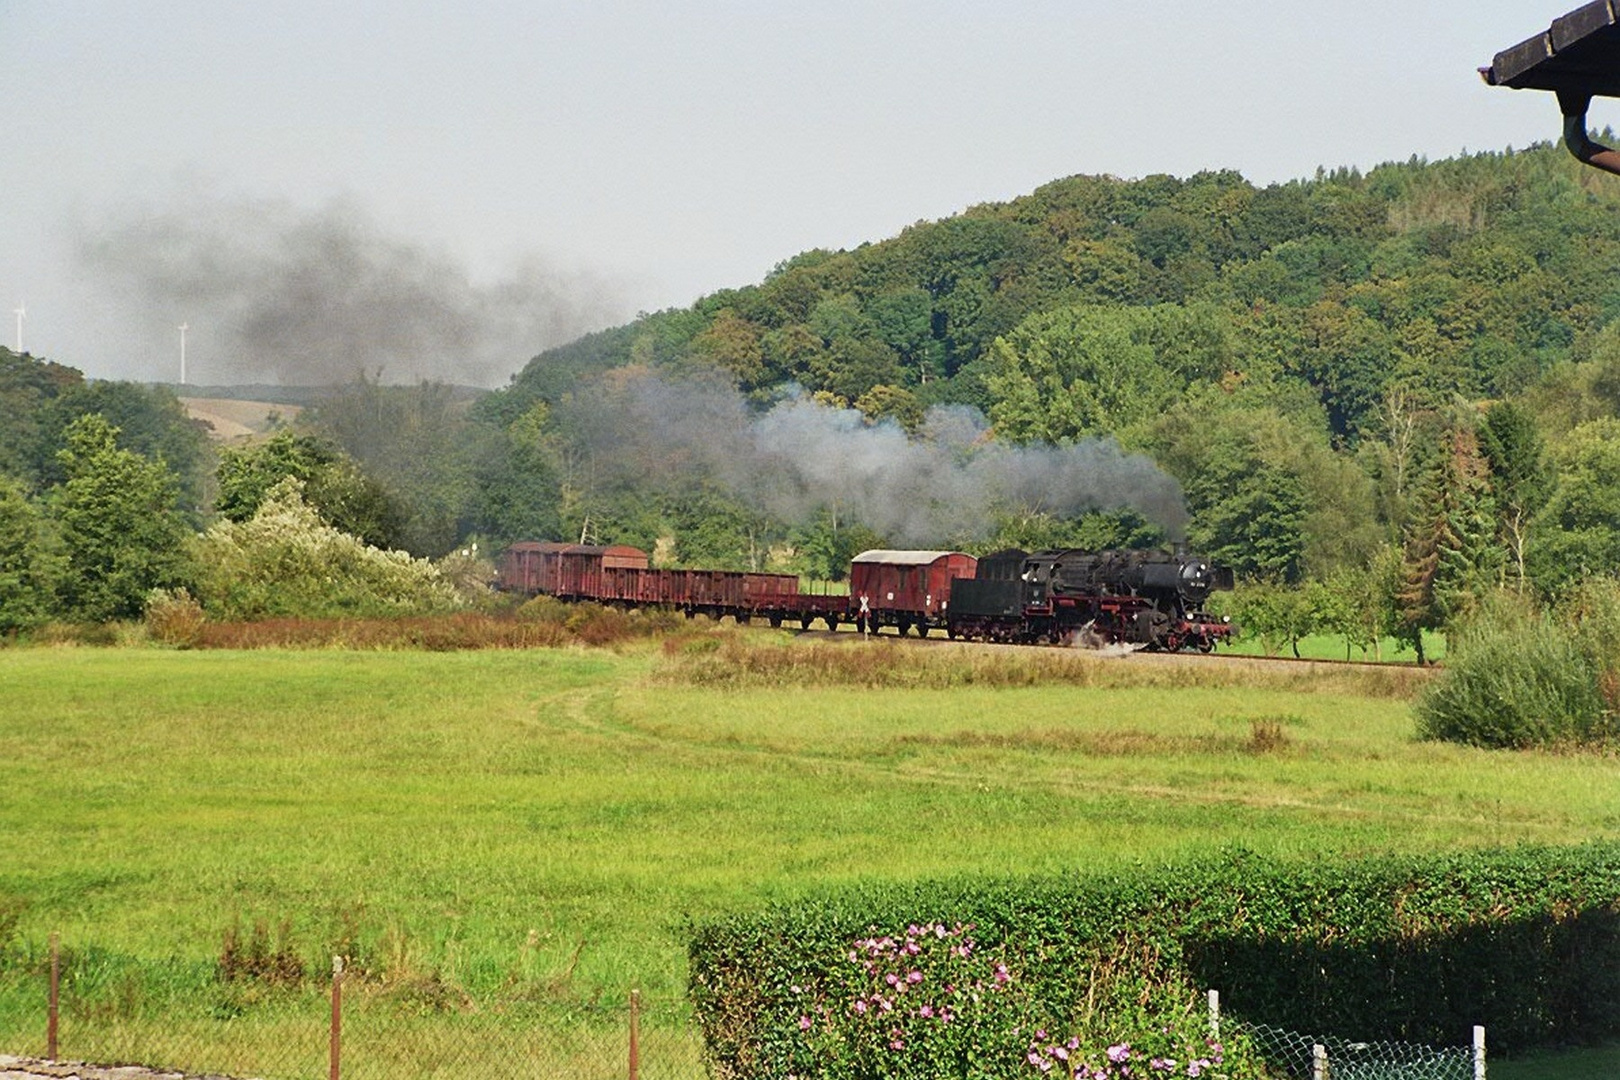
56	993
1319	1062
635	1034
1479	1052
1214	1016
337	1015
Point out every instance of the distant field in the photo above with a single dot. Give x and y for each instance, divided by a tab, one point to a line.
554	817
230	419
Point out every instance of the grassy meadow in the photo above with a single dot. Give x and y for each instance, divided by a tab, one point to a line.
541	824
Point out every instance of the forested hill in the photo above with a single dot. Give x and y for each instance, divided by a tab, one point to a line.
1350	371
1473	275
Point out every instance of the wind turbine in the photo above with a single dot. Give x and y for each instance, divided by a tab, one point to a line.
20	313
183	327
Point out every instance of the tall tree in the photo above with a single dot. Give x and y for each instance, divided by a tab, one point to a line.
121	531
1519	477
334	484
24	582
1451	556
1577	533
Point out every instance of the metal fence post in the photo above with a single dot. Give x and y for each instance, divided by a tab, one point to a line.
1319	1068
1214	1016
337	1015
1479	1052
56	993
635	1034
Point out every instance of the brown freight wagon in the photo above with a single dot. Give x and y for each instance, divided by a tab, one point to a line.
906	589
567	571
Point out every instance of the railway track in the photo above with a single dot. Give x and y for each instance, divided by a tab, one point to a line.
1137	655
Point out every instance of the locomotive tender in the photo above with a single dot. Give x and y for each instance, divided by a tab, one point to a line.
1145	598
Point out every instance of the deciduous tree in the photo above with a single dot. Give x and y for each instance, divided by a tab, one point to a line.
122	534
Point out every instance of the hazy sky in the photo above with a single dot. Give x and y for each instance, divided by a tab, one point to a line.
440	190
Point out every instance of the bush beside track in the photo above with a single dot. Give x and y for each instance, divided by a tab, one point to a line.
1525	941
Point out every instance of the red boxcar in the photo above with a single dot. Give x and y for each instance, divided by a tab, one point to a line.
906	588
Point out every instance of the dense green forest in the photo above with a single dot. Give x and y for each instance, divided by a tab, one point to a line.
1399	389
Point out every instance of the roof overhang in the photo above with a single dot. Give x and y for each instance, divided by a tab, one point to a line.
1577	58
1579	53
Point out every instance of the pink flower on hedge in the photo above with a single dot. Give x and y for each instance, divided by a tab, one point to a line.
914	976
1119	1052
1002	974
804	1023
859	1006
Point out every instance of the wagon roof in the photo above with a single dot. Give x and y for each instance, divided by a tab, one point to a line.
904	558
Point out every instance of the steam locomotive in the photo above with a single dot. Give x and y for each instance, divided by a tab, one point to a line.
1148	599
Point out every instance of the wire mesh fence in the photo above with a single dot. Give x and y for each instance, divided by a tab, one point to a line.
1297	1056
354	1031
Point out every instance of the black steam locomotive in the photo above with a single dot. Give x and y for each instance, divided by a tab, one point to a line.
1145	598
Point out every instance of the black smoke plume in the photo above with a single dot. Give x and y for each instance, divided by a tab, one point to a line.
311	297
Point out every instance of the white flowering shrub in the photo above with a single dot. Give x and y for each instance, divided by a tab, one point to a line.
286	562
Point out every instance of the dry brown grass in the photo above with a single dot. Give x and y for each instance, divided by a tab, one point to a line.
584	624
757	660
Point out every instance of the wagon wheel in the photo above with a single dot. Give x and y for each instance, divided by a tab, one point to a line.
804	621
742	618
776	620
832	622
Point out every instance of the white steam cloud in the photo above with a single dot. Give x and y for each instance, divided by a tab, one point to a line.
802	456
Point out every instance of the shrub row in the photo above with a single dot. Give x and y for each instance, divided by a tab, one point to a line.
1525	941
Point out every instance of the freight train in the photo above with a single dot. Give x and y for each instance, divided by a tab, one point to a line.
1149	599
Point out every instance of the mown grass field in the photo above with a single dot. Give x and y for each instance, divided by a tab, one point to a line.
542	823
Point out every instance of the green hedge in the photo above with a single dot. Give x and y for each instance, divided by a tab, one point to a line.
1525	941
